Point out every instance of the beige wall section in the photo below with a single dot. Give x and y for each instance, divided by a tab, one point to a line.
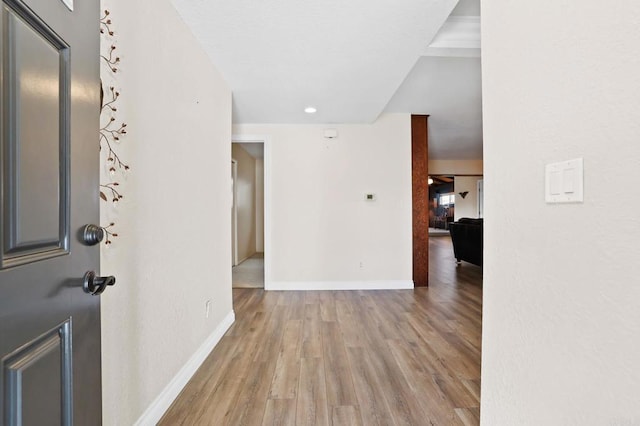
561	295
260	205
467	206
455	167
176	212
322	228
245	201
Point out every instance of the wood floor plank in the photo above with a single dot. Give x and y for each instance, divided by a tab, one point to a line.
374	409
404	404
390	357
311	338
433	400
328	306
312	409
337	369
312	297
469	416
473	386
345	416
274	330
467	367
296	305
280	412
456	391
249	410
312	310
222	402
188	405
349	324
285	379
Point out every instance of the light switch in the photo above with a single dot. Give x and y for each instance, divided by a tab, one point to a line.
568	180
564	182
556	182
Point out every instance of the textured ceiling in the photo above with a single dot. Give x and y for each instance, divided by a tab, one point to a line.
448	89
352	60
346	58
446	84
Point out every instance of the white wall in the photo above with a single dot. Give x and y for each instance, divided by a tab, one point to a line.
467	206
245	202
322	229
561	297
260	205
173	252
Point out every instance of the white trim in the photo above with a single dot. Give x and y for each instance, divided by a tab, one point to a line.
341	285
156	410
234	211
266	140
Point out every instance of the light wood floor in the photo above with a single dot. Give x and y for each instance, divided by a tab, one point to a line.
402	357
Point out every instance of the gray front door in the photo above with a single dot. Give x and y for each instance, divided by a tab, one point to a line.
49	327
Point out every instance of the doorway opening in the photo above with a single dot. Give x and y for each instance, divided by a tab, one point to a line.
247	215
442	204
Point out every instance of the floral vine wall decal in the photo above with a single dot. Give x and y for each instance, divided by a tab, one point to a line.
105	24
111	130
112	133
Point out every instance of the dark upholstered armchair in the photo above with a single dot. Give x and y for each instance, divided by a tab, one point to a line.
466	235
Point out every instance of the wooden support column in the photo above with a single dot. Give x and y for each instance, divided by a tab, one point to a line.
420	196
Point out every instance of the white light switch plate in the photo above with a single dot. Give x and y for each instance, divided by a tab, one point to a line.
68	3
564	182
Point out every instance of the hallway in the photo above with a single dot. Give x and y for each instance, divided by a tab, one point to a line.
347	357
250	273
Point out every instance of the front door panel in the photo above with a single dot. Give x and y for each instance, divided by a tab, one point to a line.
38	380
36	139
49	98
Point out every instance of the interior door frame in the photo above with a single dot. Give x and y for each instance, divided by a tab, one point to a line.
480	185
266	140
234	212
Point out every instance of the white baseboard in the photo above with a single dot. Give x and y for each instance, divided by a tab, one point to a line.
340	285
159	406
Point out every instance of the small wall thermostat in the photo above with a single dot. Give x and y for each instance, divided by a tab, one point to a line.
369	197
330	133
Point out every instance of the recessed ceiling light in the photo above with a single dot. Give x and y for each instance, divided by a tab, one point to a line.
310	110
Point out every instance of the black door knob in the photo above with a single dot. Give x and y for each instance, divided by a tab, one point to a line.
94	284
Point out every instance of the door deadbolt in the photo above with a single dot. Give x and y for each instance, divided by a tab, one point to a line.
92	235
